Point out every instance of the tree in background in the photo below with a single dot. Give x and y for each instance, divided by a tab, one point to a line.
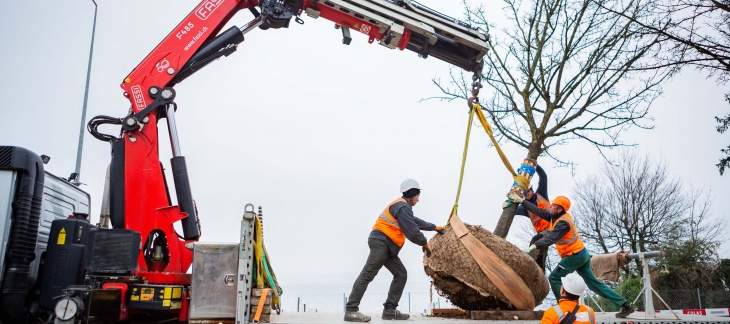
700	33
636	205
691	249
723	271
628	206
566	70
724	123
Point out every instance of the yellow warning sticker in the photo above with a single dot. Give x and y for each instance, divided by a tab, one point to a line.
175	305
147	294
176	293
168	293
166	303
61	237
135	297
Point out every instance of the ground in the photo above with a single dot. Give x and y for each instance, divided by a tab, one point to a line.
602	318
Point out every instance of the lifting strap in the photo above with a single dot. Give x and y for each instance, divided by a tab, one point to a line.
483	120
263	273
497	271
521	180
455	209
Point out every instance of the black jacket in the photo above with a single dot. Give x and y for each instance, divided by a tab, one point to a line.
559	230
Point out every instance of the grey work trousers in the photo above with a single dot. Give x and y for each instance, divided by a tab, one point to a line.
379	257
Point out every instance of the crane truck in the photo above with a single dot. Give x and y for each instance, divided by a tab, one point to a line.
67	270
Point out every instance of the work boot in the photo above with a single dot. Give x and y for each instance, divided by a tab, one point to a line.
626	309
356	317
394	314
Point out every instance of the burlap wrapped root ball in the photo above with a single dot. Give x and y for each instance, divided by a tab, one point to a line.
458	277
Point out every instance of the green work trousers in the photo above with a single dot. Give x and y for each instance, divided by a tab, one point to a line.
581	264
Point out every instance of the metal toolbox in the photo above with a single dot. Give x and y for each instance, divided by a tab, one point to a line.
213	281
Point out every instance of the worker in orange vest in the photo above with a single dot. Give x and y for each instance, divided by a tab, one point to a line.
573	255
541	200
395	224
573	288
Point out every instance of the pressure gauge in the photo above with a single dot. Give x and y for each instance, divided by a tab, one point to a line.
66	309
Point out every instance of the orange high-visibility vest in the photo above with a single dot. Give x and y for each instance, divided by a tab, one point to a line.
388	224
538	223
584	315
570	243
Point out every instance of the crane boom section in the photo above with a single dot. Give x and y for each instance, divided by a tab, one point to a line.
141	200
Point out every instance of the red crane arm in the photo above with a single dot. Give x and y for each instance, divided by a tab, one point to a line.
166	60
146	205
139	196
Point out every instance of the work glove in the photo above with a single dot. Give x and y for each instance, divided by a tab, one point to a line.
536	238
440	230
427	249
506	203
530	249
515	197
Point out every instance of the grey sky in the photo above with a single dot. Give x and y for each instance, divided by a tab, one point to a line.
318	133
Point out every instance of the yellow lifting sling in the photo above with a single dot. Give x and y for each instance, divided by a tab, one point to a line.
498	272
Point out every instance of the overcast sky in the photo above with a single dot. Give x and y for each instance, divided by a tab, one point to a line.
318	133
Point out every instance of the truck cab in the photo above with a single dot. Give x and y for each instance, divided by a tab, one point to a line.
30	199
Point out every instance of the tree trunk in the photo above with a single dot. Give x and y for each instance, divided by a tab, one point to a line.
508	214
505	221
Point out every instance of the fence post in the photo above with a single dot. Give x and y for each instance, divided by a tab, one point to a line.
409	302
297	304
344	302
305	307
699	299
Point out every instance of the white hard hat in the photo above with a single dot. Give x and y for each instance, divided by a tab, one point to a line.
574	284
408	184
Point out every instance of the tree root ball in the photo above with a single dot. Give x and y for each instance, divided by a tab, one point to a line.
458	277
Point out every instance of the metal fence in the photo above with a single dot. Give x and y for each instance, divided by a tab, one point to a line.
410	302
675	299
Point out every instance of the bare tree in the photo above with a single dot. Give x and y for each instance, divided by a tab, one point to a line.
567	70
692	260
700	33
635	206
